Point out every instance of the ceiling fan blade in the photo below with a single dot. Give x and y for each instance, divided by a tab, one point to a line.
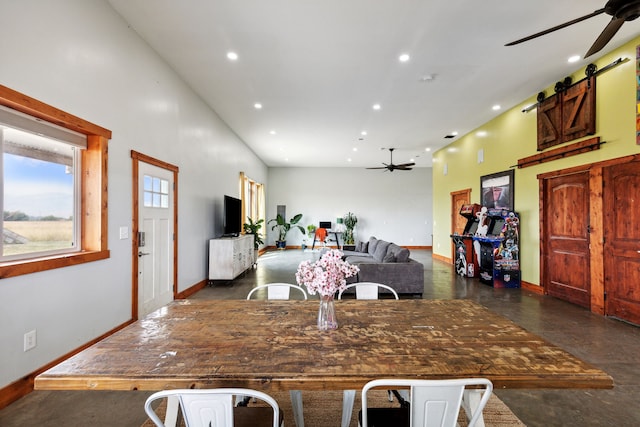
607	34
403	168
405	165
556	28
381	167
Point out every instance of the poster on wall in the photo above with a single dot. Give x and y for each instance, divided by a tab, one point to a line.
638	95
497	190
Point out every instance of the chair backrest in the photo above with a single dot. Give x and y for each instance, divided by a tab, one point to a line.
205	408
321	234
436	402
279	291
368	290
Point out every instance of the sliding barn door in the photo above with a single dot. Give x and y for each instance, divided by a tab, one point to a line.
622	241
565	237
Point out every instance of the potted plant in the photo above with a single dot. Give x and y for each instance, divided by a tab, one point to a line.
311	229
251	227
283	228
350	221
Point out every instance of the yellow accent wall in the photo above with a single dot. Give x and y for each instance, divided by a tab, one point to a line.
512	136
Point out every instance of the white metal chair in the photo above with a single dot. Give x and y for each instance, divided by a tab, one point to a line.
431	402
364	291
368	290
278	291
281	291
214	407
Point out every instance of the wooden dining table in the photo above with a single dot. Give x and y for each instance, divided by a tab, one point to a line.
276	345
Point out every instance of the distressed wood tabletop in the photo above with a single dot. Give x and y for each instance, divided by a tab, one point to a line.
275	345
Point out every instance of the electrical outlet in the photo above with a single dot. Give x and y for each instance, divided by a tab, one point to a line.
29	340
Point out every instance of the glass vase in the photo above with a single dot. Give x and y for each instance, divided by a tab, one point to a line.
327	319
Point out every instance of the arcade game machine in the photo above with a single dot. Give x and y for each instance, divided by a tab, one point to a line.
499	252
466	260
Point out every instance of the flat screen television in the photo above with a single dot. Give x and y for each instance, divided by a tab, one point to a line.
232	216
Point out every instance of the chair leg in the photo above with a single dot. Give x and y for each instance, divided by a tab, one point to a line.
348	396
296	404
470	401
171	414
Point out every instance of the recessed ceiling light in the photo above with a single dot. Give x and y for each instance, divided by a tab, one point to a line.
363	133
273	132
232	56
376	106
574	58
349	159
496	107
404	57
454	133
257	106
427	149
355	148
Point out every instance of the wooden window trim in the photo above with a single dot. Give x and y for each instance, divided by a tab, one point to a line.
93	206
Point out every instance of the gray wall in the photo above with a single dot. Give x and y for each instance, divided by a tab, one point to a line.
79	56
393	206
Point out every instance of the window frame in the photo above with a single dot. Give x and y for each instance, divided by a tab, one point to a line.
93	241
252	196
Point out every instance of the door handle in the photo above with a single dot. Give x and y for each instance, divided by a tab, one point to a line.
141	254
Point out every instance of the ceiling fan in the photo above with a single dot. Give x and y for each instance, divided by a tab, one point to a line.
620	10
391	167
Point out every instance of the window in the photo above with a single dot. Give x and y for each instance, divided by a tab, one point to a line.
156	192
54	187
40	191
252	199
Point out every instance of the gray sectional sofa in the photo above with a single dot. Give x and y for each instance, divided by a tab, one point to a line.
385	262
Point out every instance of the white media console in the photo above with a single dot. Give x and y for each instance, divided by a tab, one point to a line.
230	256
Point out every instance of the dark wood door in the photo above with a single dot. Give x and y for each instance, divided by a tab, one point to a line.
622	241
565	236
458	222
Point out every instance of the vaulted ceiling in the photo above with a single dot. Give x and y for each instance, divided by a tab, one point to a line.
318	68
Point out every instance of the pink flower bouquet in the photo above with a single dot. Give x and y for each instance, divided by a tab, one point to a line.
326	276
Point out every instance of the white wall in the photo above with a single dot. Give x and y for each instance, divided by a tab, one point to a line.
81	57
391	206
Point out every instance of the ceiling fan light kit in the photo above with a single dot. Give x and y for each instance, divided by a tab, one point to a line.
620	11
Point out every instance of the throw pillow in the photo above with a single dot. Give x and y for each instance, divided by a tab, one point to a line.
389	257
365	247
402	255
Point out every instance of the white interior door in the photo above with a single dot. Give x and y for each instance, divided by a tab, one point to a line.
155	248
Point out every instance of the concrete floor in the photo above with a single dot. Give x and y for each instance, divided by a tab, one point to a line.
611	345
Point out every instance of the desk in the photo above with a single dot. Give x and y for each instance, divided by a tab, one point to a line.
275	345
336	235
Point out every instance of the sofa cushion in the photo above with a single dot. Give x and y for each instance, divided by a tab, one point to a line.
373	243
389	257
403	255
381	250
400	254
360	259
